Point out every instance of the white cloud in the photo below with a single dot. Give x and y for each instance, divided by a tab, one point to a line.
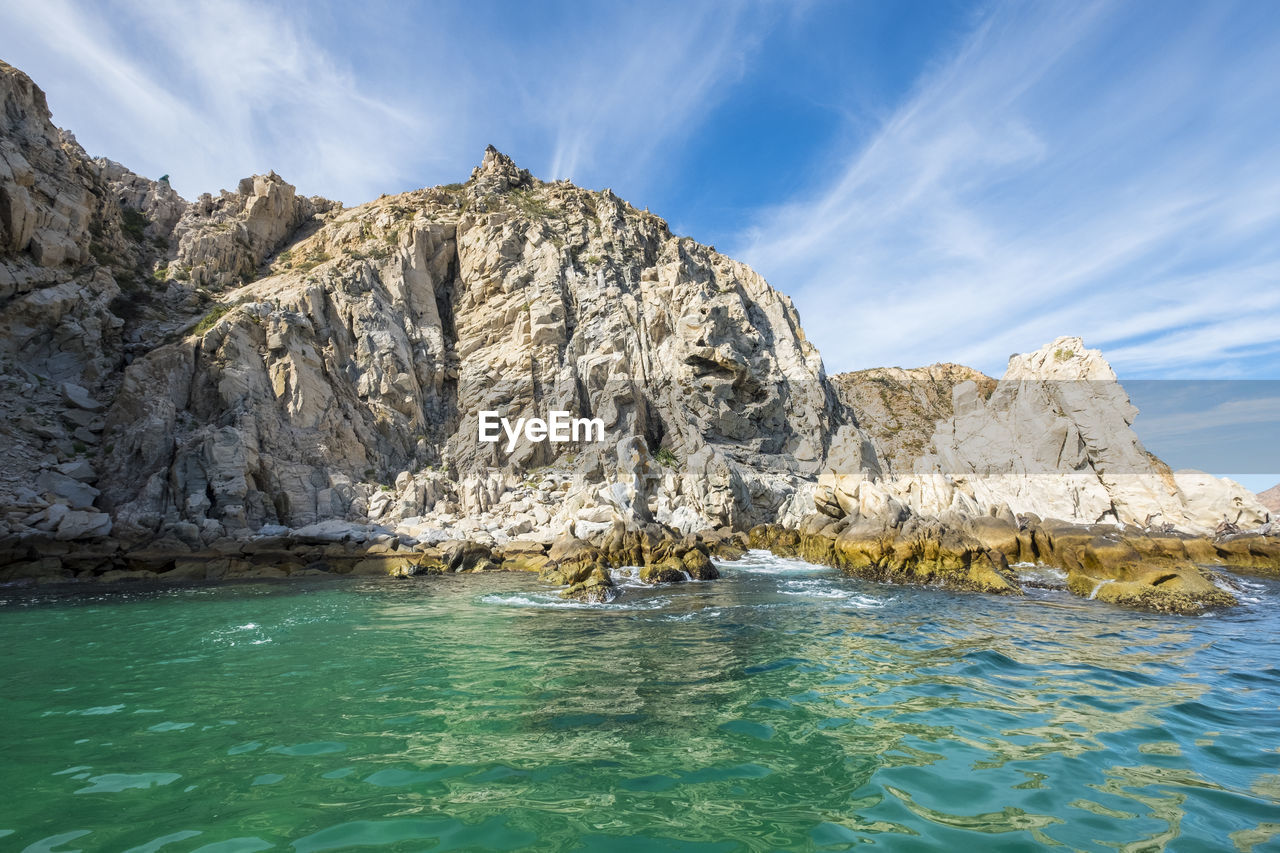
210	92
1057	175
1228	413
641	84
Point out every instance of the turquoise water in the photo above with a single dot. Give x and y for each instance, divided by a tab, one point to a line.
783	707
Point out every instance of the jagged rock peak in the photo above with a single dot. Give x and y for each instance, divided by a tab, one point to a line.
1066	358
223	240
498	171
23	91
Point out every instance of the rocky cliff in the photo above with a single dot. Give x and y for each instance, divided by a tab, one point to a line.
1041	468
1052	438
258	372
346	381
899	409
260	359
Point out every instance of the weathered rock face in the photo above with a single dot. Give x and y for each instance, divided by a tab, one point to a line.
348	381
44	208
88	282
222	241
899	409
1052	438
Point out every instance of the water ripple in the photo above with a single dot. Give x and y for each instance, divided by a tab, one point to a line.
783	707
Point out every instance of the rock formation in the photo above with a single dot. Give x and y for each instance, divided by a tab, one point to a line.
259	361
261	383
899	408
1039	467
1052	438
347	380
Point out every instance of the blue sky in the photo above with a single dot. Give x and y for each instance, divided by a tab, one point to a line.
930	181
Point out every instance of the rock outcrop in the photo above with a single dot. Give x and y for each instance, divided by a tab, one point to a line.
261	384
223	241
899	409
348	380
1052	438
1039	467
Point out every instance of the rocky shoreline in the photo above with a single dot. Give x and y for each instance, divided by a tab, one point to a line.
1149	570
580	567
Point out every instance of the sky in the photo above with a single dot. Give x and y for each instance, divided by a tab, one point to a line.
929	181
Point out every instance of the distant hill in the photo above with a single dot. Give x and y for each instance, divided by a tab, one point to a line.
1271	498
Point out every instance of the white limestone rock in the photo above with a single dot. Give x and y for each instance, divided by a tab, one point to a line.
1052	438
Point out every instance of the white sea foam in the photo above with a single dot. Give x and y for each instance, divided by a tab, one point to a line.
1100	585
822	588
764	562
709	612
1248	592
627	577
1036	574
555	602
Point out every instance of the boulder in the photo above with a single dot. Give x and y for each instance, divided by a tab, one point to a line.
78	469
597	588
464	556
80	524
60	487
79	397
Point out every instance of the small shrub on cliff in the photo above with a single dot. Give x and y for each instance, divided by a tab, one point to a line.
314	259
134	223
207	322
531	206
101	253
666	457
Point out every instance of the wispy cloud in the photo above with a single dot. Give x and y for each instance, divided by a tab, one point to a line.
641	84
1065	171
1239	412
215	91
351	103
1107	170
